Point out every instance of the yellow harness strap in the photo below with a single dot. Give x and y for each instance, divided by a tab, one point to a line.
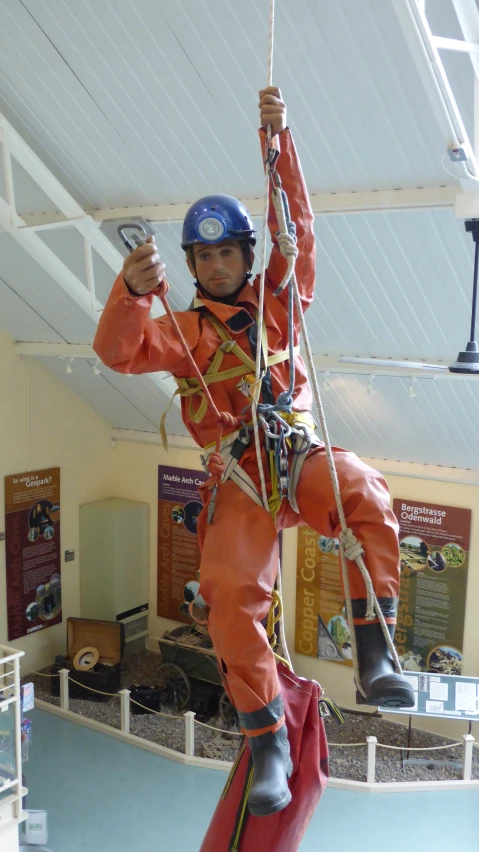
190	387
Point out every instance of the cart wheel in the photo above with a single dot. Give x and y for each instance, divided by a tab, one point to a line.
228	712
174	684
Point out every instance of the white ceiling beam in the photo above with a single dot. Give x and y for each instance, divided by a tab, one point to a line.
387	467
323	204
55	350
468	17
180	442
14	225
335	366
83	351
417	31
455	45
69	208
51	263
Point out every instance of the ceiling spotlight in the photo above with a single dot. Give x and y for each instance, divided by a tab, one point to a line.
96	371
69	365
410	391
371	385
326	384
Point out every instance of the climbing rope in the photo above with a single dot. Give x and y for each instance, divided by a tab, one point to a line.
260	355
350	548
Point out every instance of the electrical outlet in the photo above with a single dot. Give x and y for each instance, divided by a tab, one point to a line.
69	555
2	536
457	155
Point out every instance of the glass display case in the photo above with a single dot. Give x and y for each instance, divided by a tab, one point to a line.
8	763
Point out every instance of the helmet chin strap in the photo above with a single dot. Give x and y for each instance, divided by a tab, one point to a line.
227	300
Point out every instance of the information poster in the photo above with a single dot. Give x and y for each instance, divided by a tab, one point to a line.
321	627
33	562
434	550
179	505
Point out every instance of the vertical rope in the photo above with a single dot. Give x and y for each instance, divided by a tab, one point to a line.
373	604
264	231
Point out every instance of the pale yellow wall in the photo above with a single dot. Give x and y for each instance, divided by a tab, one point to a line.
65	433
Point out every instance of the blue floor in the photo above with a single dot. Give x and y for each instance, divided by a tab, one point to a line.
102	795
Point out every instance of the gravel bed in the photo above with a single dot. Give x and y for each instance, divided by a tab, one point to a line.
350	763
157	729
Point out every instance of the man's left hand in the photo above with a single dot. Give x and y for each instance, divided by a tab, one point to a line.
272	109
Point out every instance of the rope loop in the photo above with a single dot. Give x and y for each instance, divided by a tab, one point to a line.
352	547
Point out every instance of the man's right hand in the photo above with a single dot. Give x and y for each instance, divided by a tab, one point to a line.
142	269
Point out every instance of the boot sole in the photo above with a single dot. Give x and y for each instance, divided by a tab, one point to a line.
401	697
273	806
270	807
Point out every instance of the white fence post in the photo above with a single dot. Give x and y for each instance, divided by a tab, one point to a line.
467	756
190	733
64	693
125	710
371	774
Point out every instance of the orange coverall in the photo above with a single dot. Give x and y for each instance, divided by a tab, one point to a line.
240	548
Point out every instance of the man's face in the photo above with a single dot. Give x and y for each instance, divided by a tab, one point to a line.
220	268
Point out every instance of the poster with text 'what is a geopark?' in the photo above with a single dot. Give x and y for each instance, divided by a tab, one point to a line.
33	561
434	552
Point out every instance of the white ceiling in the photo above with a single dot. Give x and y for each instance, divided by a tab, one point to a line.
154	102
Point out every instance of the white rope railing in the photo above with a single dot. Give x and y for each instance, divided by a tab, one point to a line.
213	747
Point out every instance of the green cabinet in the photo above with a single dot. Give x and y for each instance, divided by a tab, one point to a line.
113	558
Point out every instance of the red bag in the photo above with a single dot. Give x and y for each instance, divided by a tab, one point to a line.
232	828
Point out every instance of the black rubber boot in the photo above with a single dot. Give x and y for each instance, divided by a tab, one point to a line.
378	677
272	767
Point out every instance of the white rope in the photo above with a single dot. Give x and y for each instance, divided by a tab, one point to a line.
394	748
264	231
346	538
350	547
282	632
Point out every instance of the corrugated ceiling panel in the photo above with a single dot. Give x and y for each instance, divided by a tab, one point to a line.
29	198
54	112
126	113
395	285
437	427
42	294
20	321
392	285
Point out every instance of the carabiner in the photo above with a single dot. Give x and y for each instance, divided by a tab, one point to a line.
135	241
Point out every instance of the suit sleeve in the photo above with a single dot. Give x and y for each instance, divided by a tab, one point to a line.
128	341
290	172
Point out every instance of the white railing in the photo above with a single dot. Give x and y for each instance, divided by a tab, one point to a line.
11	811
188	756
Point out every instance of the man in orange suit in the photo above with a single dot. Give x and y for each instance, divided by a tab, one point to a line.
239	550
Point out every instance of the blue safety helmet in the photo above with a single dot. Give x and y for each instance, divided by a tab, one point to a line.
215	218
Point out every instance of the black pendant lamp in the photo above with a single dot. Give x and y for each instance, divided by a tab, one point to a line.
468	361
